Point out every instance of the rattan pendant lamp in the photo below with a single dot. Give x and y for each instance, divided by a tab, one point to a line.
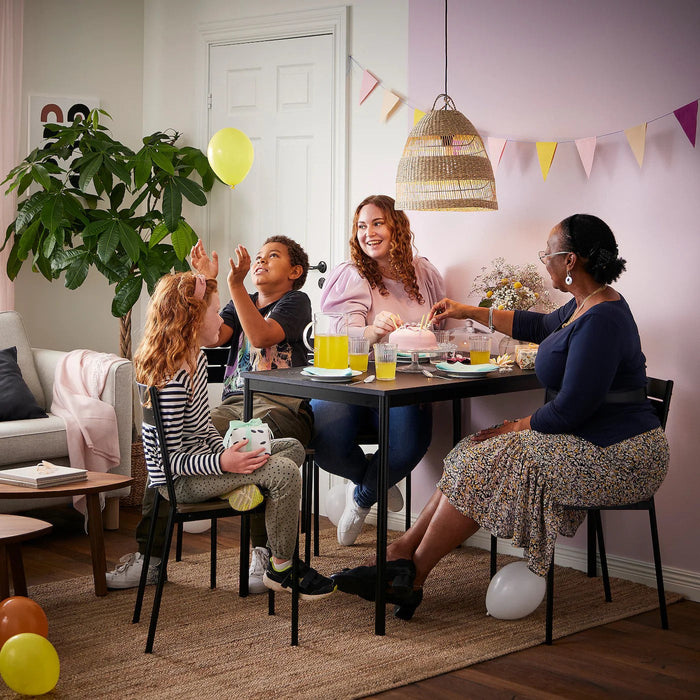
444	166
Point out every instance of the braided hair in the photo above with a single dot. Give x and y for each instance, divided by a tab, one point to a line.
593	241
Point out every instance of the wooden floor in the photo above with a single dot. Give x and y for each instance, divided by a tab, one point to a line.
633	658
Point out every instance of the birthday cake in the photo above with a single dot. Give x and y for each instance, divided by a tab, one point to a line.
412	337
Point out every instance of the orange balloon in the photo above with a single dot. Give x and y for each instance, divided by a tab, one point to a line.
19	614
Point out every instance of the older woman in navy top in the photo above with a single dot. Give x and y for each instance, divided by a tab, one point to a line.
596	441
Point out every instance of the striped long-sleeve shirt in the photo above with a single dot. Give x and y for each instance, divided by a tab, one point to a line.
194	445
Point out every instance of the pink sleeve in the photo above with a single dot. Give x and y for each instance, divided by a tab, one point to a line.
346	292
428	274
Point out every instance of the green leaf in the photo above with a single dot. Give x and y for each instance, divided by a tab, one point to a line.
116	196
108	240
52	213
130	240
183	238
142	168
126	295
192	191
29	210
14	264
172	205
162	161
49	244
88	171
41	176
27	240
159	233
118	169
77	272
208	181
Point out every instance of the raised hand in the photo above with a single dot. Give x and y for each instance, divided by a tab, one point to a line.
241	267
202	263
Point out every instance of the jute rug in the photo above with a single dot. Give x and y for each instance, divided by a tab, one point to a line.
213	644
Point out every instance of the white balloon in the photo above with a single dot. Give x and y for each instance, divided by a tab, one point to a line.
514	592
335	503
195	526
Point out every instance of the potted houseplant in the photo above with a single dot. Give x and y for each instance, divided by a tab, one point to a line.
93	202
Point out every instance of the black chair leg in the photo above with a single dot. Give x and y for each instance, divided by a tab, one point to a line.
212	558
591	551
657	565
494	555
316	509
147	560
178	542
244	563
306	493
155	611
407	502
550	603
595	514
295	596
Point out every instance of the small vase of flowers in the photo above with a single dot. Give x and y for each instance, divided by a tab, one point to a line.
511	287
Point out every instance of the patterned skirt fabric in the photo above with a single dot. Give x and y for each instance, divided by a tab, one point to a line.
518	485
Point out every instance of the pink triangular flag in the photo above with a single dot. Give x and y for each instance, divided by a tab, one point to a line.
369	82
495	148
636	136
389	104
545	152
586	149
688	118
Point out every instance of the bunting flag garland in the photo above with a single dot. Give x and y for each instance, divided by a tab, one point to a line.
389	104
495	147
545	152
369	82
586	149
636	136
687	117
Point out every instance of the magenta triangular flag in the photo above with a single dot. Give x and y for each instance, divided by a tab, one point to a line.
369	82
688	118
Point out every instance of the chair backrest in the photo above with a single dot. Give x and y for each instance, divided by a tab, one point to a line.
659	393
152	417
216	363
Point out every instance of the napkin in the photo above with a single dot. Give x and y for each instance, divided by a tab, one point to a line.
457	368
323	372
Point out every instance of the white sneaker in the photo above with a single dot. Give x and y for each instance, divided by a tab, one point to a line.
350	523
128	573
258	567
394	499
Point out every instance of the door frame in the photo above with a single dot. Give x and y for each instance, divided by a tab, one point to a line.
330	20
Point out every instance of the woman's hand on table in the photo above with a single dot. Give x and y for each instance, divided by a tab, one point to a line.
237	462
508	426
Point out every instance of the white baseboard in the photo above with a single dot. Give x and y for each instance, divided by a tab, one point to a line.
687	583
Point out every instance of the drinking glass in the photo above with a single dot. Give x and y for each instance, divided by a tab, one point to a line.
385	361
358	348
330	340
479	348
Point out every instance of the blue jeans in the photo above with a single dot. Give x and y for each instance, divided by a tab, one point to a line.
336	429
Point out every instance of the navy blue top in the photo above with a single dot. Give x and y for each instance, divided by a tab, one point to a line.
599	352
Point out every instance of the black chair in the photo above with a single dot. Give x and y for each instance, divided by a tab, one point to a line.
659	393
188	512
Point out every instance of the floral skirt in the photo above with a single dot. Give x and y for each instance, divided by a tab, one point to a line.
518	485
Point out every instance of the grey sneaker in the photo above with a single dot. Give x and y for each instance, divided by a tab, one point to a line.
352	519
394	499
258	566
128	573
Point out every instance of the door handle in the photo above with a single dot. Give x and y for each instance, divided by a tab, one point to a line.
321	267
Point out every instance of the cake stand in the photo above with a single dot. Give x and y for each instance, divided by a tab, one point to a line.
415	365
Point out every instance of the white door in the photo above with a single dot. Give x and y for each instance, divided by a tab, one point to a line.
280	93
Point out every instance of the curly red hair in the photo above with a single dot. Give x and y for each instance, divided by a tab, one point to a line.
400	249
170	340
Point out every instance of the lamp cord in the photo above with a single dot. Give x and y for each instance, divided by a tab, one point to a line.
445	47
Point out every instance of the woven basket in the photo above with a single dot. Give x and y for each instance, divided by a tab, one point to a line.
139	474
445	165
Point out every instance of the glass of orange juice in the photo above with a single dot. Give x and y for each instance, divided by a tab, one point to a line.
385	361
358	349
479	348
330	340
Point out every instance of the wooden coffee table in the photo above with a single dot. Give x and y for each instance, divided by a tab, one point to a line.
15	529
91	488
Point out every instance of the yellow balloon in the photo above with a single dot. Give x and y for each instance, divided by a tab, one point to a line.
29	664
230	155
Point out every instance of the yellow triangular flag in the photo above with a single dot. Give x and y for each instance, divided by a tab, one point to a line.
636	136
417	116
389	104
545	152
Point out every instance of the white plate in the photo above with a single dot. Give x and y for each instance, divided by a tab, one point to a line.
331	378
460	370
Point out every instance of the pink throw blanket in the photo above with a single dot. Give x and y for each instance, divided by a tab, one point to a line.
91	424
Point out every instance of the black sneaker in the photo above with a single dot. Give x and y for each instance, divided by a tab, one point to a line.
312	586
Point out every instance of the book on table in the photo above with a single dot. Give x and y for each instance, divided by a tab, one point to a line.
42	475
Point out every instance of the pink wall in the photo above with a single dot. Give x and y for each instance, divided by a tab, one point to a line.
552	70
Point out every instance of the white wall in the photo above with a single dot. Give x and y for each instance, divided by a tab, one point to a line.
80	48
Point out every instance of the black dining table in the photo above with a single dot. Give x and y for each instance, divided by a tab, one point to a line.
407	389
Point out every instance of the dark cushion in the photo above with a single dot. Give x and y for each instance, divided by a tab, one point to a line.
16	399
